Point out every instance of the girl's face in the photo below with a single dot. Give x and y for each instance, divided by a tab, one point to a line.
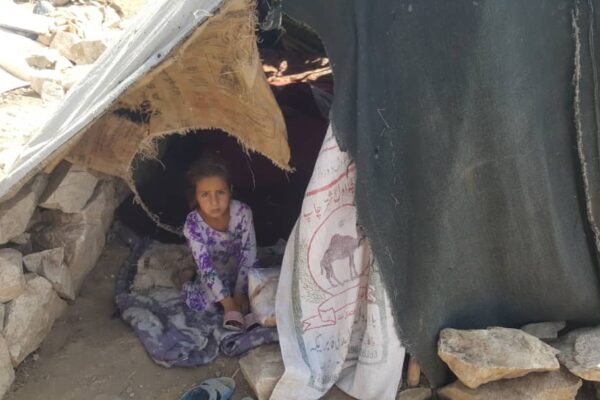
213	196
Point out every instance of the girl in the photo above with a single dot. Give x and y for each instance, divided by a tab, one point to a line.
221	236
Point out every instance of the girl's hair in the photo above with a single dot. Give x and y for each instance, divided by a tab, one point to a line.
205	166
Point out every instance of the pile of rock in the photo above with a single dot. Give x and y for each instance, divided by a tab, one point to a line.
51	45
52	233
511	364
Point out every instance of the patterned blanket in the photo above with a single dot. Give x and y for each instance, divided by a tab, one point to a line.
171	333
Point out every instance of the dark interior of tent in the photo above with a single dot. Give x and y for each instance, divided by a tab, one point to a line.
296	66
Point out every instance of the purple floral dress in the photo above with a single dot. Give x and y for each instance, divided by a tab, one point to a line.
222	258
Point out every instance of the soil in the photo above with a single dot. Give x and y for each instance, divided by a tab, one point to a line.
92	354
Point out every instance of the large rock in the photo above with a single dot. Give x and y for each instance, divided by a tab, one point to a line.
558	385
80	51
12	280
262	368
580	353
30	318
87	51
83	234
480	356
16	212
7	373
415	394
49	264
544	330
45	58
63	41
69	188
52	92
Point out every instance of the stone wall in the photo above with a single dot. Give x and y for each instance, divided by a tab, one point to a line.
51	235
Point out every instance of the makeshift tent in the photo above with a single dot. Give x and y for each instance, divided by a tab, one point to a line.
474	128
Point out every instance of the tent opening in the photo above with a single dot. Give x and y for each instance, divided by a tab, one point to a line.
300	78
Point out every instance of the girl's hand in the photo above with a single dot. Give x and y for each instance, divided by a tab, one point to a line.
242	301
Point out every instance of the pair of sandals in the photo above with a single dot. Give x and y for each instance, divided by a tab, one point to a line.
212	389
236	321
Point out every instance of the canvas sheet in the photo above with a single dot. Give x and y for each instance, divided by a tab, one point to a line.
333	312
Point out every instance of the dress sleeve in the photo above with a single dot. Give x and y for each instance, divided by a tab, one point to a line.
204	264
247	253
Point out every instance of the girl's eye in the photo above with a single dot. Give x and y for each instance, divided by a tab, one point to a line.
204	194
221	192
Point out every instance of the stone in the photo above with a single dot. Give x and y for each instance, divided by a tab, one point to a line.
264	378
60	2
23	239
415	394
45	39
63	41
545	330
16	212
50	265
580	353
7	373
42	60
83	39
87	51
480	356
12	281
69	188
557	385
30	317
38	78
52	92
43	7
83	234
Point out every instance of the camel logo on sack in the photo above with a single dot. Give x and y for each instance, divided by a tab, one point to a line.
338	269
340	247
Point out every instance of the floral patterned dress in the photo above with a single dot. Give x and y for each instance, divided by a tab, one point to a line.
222	258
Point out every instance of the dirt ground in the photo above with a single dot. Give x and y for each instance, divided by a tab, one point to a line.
90	354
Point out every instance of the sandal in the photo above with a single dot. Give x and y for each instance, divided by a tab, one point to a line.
233	321
251	321
211	389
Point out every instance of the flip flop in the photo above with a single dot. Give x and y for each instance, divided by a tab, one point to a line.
211	389
233	321
251	321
